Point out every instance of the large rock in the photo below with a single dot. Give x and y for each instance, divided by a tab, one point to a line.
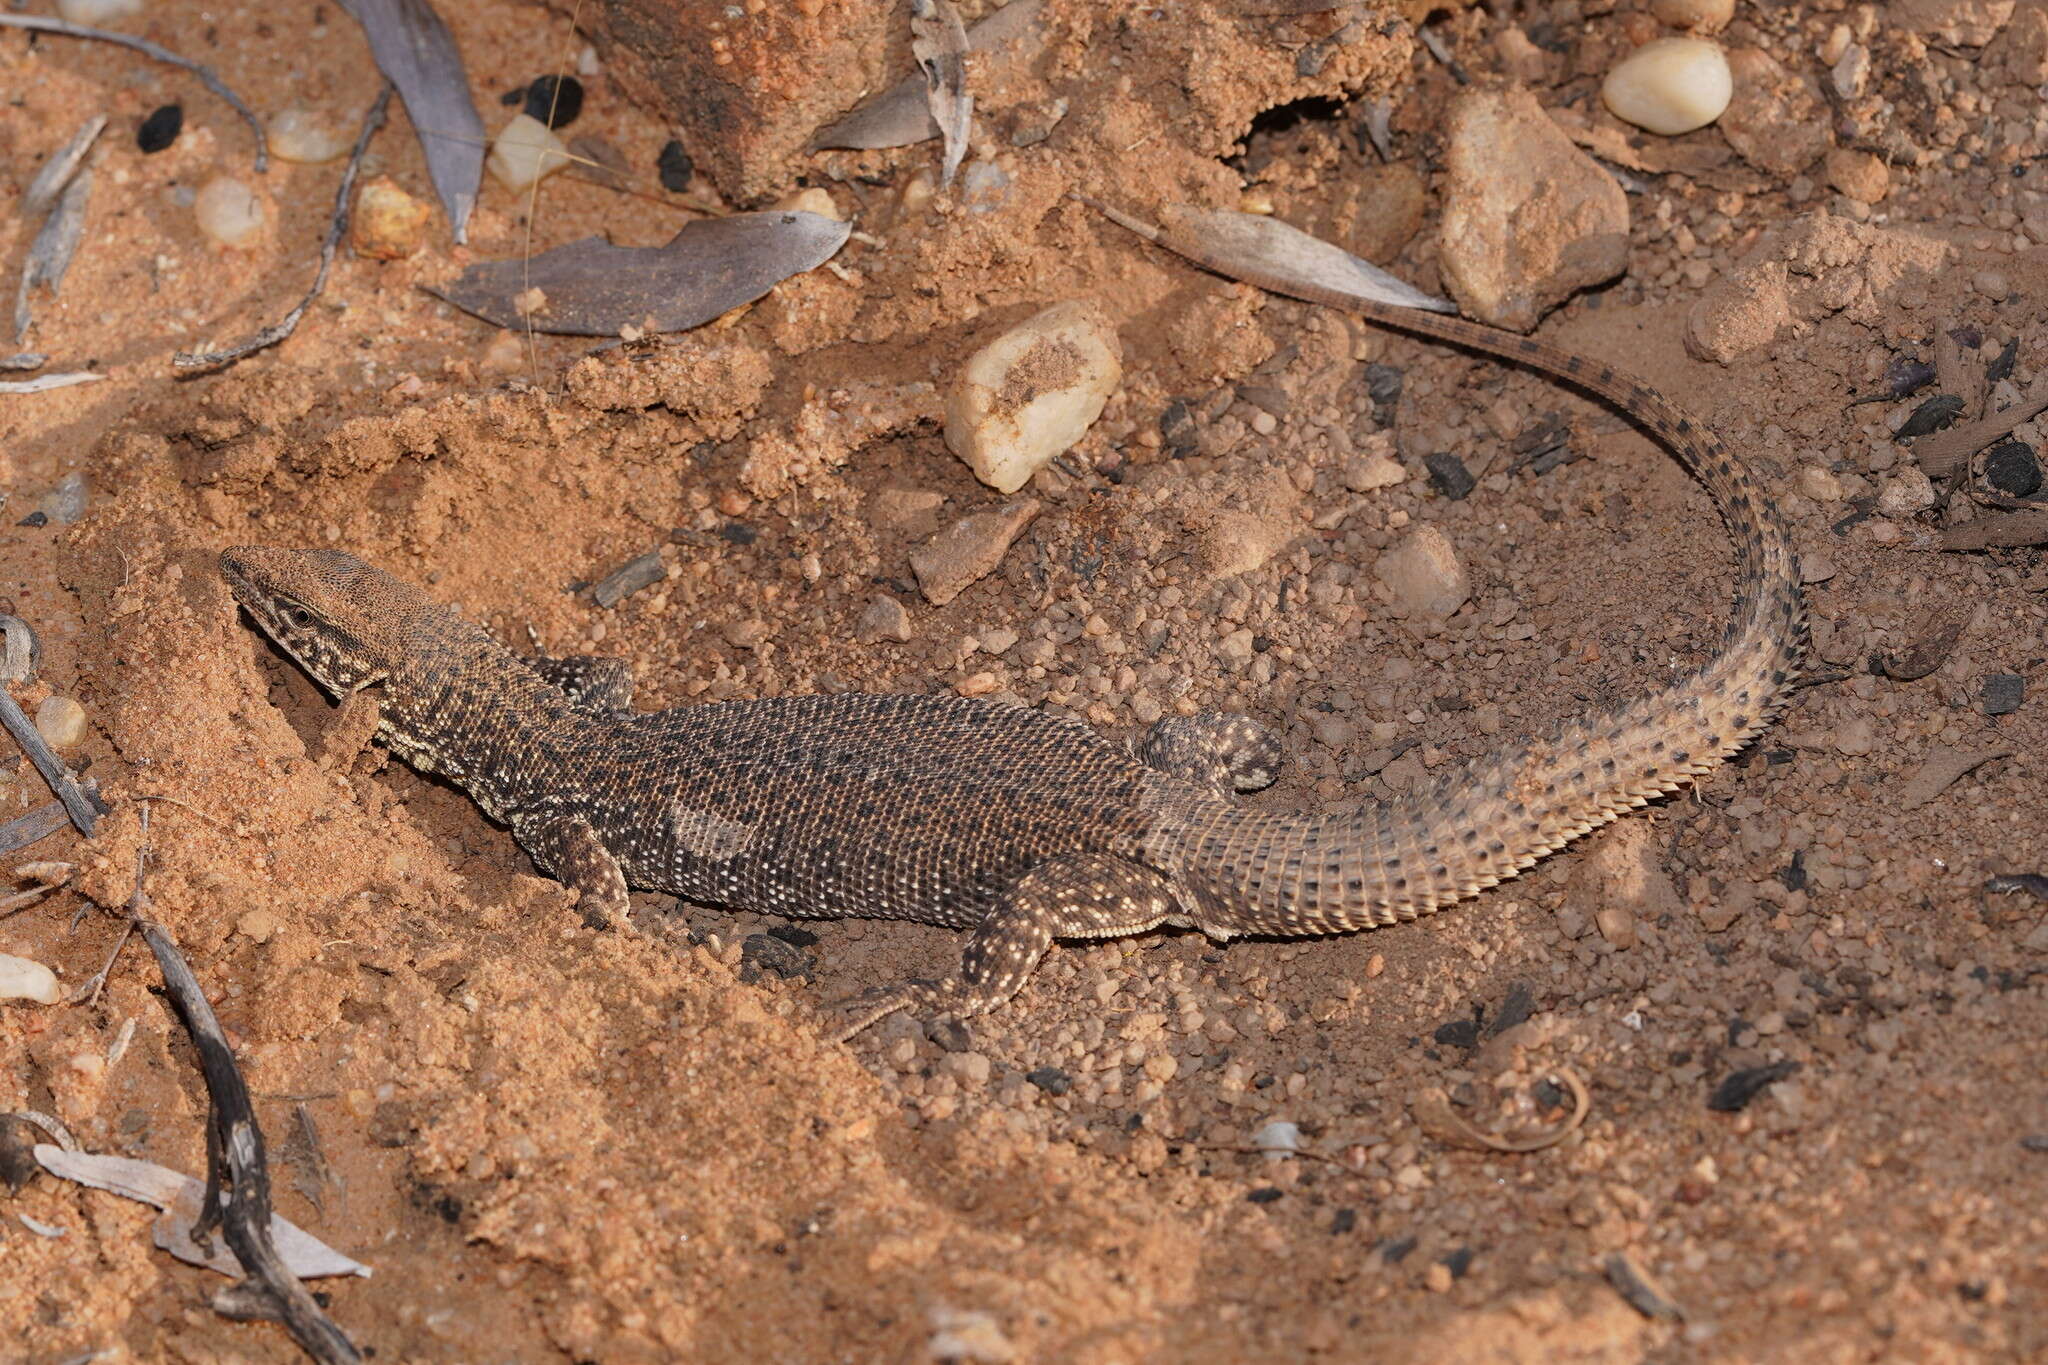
1528	218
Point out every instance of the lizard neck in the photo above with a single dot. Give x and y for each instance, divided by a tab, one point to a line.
473	712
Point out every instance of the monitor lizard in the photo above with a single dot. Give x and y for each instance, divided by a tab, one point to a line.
1018	826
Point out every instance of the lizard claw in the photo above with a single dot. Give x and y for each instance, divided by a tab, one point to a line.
859	1011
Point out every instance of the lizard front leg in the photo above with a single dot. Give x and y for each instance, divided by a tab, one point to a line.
1088	895
568	849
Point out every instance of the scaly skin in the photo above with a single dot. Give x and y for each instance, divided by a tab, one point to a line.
1016	825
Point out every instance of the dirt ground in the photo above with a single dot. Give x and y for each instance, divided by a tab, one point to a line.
553	1143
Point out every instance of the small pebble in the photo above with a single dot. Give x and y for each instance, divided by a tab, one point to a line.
1448	475
1424	574
97	13
814	199
1859	175
21	979
1033	392
2012	469
675	167
61	722
228	211
555	100
885	619
1279	1140
302	136
1670	85
1051	1080
2003	693
161	128
258	926
1992	284
1855	737
1819	484
66	503
389	224
1906	493
525	153
1702	16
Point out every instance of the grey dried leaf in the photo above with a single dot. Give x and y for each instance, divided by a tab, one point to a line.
939	42
902	114
416	53
179	1196
592	288
1943	767
58	170
55	244
1272	255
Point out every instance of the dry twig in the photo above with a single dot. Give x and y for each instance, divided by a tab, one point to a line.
337	226
237	1197
205	74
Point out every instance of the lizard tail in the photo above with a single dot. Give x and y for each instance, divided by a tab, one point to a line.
1491	818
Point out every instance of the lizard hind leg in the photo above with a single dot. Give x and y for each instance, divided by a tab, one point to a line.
1087	895
1215	749
569	850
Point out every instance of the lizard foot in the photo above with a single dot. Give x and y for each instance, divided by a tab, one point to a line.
857	1013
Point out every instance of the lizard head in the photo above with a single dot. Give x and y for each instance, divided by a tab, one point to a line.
346	623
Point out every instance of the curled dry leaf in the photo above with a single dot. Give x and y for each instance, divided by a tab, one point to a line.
903	114
416	53
1268	253
1942	768
1436	1115
593	288
2005	530
939	42
1930	648
179	1197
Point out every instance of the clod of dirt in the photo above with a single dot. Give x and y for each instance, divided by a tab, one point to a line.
968	550
1424	574
1528	218
1777	121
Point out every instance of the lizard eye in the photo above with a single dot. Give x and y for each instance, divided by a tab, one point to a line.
295	616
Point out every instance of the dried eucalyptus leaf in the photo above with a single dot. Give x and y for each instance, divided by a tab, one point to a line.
58	170
49	256
416	53
1268	253
592	288
180	1196
939	42
902	114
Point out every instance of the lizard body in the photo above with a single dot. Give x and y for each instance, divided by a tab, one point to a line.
1015	825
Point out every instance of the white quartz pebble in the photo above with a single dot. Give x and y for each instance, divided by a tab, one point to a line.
1670	86
21	979
303	136
97	13
527	151
1033	392
228	211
